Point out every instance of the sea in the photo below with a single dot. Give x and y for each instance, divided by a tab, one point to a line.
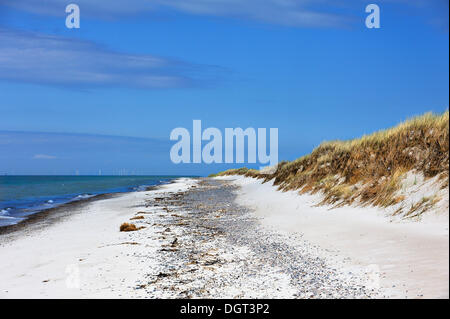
22	196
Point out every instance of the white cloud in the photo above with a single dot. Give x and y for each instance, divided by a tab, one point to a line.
285	12
297	13
46	59
43	156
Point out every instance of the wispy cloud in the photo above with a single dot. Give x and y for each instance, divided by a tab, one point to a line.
296	13
317	13
302	13
43	156
46	59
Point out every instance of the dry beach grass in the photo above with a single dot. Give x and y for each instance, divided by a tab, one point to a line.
369	170
126	227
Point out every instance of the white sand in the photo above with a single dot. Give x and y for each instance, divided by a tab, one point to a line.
82	256
85	255
412	257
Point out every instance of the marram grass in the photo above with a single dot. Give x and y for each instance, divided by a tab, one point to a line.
369	169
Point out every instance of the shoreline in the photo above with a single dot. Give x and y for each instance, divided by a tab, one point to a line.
83	240
198	238
28	196
57	212
49	216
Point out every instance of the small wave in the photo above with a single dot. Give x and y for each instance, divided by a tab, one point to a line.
141	188
84	196
4	212
9	220
8	217
49	201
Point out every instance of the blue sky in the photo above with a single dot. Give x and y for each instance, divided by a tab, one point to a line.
106	96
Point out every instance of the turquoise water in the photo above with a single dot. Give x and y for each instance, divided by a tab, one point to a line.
21	196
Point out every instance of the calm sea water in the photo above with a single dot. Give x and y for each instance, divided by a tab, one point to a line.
21	196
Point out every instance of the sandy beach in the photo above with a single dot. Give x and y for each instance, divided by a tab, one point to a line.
228	237
408	259
82	254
